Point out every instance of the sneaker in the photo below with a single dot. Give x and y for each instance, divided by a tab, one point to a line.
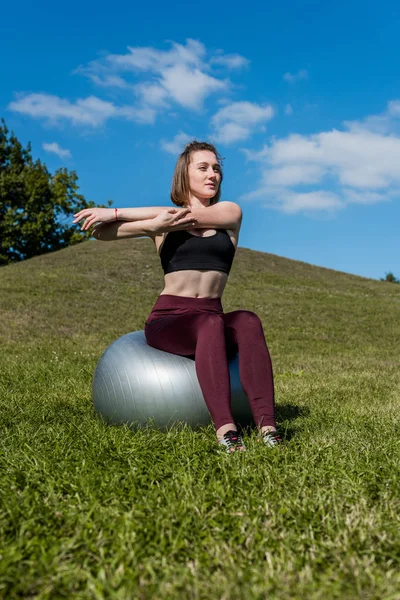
271	438
233	442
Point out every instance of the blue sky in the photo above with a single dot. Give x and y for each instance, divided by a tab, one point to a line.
301	98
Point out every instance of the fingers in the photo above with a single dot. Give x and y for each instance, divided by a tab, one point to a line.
82	214
189	223
88	223
184	213
180	214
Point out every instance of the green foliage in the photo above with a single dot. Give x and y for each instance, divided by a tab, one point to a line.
391	278
34	204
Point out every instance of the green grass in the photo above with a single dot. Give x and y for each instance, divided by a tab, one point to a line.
91	511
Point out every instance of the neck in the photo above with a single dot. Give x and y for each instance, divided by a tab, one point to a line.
196	202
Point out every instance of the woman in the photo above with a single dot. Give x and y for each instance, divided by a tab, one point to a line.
197	244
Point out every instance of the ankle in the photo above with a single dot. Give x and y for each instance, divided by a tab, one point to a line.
267	428
224	429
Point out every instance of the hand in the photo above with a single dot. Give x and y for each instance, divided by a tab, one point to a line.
94	215
172	220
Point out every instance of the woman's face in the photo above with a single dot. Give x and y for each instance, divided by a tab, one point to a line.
204	174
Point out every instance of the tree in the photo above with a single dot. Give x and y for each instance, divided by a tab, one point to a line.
390	277
34	204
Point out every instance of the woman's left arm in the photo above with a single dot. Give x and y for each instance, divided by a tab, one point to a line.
227	215
107	215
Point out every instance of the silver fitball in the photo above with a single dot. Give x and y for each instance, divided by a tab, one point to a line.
137	384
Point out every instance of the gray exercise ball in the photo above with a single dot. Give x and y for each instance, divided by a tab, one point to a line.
137	384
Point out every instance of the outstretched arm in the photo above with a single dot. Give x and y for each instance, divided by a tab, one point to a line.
106	232
140	214
109	215
172	220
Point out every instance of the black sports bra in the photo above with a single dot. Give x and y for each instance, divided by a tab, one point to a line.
182	251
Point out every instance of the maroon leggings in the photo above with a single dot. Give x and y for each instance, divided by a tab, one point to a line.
198	327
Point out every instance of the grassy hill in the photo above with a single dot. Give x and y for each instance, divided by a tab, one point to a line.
91	511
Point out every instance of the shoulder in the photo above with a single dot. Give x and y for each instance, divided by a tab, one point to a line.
228	204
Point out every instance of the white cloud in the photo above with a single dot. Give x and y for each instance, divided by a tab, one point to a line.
181	75
228	133
231	61
153	60
386	123
289	175
365	197
56	149
106	80
152	94
177	144
189	87
359	162
90	111
237	121
302	74
292	202
155	80
288	109
394	108
186	87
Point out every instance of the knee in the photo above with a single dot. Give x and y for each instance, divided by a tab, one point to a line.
249	316
247	319
212	320
210	323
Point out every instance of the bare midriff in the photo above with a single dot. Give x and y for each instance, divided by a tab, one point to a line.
197	283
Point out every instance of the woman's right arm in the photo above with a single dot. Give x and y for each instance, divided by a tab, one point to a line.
173	219
118	230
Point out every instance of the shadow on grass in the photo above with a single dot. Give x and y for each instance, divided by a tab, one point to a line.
289	417
286	414
289	412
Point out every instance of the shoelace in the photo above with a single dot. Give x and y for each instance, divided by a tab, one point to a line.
232	440
271	438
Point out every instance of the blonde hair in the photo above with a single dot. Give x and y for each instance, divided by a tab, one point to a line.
180	182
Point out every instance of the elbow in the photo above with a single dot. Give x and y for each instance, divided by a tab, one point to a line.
237	211
98	233
235	217
239	217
